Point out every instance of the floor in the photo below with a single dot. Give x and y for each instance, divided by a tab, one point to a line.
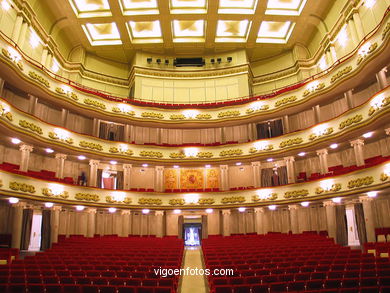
196	283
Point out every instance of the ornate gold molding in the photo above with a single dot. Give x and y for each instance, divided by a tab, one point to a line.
48	192
31	126
91	145
21	187
355	119
360	182
87	197
233	199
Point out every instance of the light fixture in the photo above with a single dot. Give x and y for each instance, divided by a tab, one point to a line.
34	39
369	3
241	209
49	151
158	61
176	211
219	60
166	62
212	60
336	199
81	157
372	193
145	165
49	204
305	203
13	200
209	211
238	164
207	166
80	208
302	154
229	59
342	37
368	134
191	152
176	166
334	146
145	211
5	5
270	160
15	140
55	67
113	162
191	198
272	207
149	60
111	210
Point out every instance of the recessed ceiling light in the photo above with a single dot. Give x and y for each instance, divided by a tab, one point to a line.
13	200
272	207
49	151
336	199
372	193
368	134
302	154
176	166
305	203
111	210
270	160
145	165
113	162
241	209
334	146
5	5
49	204
238	164
207	166
145	211
81	157
209	211
15	140
80	208
176	211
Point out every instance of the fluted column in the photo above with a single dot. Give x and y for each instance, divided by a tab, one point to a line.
126	227
358	25
159	136
60	165
22	35
17	220
290	169
381	78
1	86
64	117
159	215
256	174
225	222
330	210
127	133
357	145
349	97
32	104
259	220
17	28
159	179
55	223
323	156
224	177
91	222
368	217
352	32
95	127
317	114
294	218
127	176
223	134
25	156
93	167
286	124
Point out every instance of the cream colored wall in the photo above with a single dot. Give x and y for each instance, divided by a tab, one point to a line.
240	176
142	179
213	223
172	224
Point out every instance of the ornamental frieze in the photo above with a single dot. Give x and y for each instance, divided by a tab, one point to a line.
285	101
48	192
39	78
290	142
233	199
91	145
206	201
95	104
151	154
5	113
326	132
150	201
55	136
271	196
340	73
177	202
116	109
360	182
126	200
231	153
334	188
363	55
87	197
296	193
31	126
152	115
231	113
17	186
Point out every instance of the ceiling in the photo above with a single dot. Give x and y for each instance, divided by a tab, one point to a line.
116	29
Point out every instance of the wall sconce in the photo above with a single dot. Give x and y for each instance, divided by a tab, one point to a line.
229	59
149	60
219	60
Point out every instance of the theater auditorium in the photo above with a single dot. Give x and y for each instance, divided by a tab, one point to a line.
194	146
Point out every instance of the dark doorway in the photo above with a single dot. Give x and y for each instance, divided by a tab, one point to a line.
192	233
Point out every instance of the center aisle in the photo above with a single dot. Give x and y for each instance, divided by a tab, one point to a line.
195	283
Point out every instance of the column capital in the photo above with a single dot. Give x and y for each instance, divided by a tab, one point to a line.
91	211
127	166
256	164
293	207
159	168
365	199
357	142
94	162
159	213
329	203
322	152
259	210
125	212
226	212
20	204
387	130
61	156
289	159
26	148
31	96
224	167
57	208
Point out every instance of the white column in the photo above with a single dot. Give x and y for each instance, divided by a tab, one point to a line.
159	136
91	222
254	130
95	127
159	179
256	174
358	25
330	210
290	169
250	132
17	27
224	177
381	78
25	157
94	164
286	124
259	220
127	133
317	114
44	56
132	134
159	216
55	222
64	117
352	31
127	176
323	156
17	224
225	222
223	134
368	217
348	95
357	145
32	104
294	218
22	35
60	165
126	227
